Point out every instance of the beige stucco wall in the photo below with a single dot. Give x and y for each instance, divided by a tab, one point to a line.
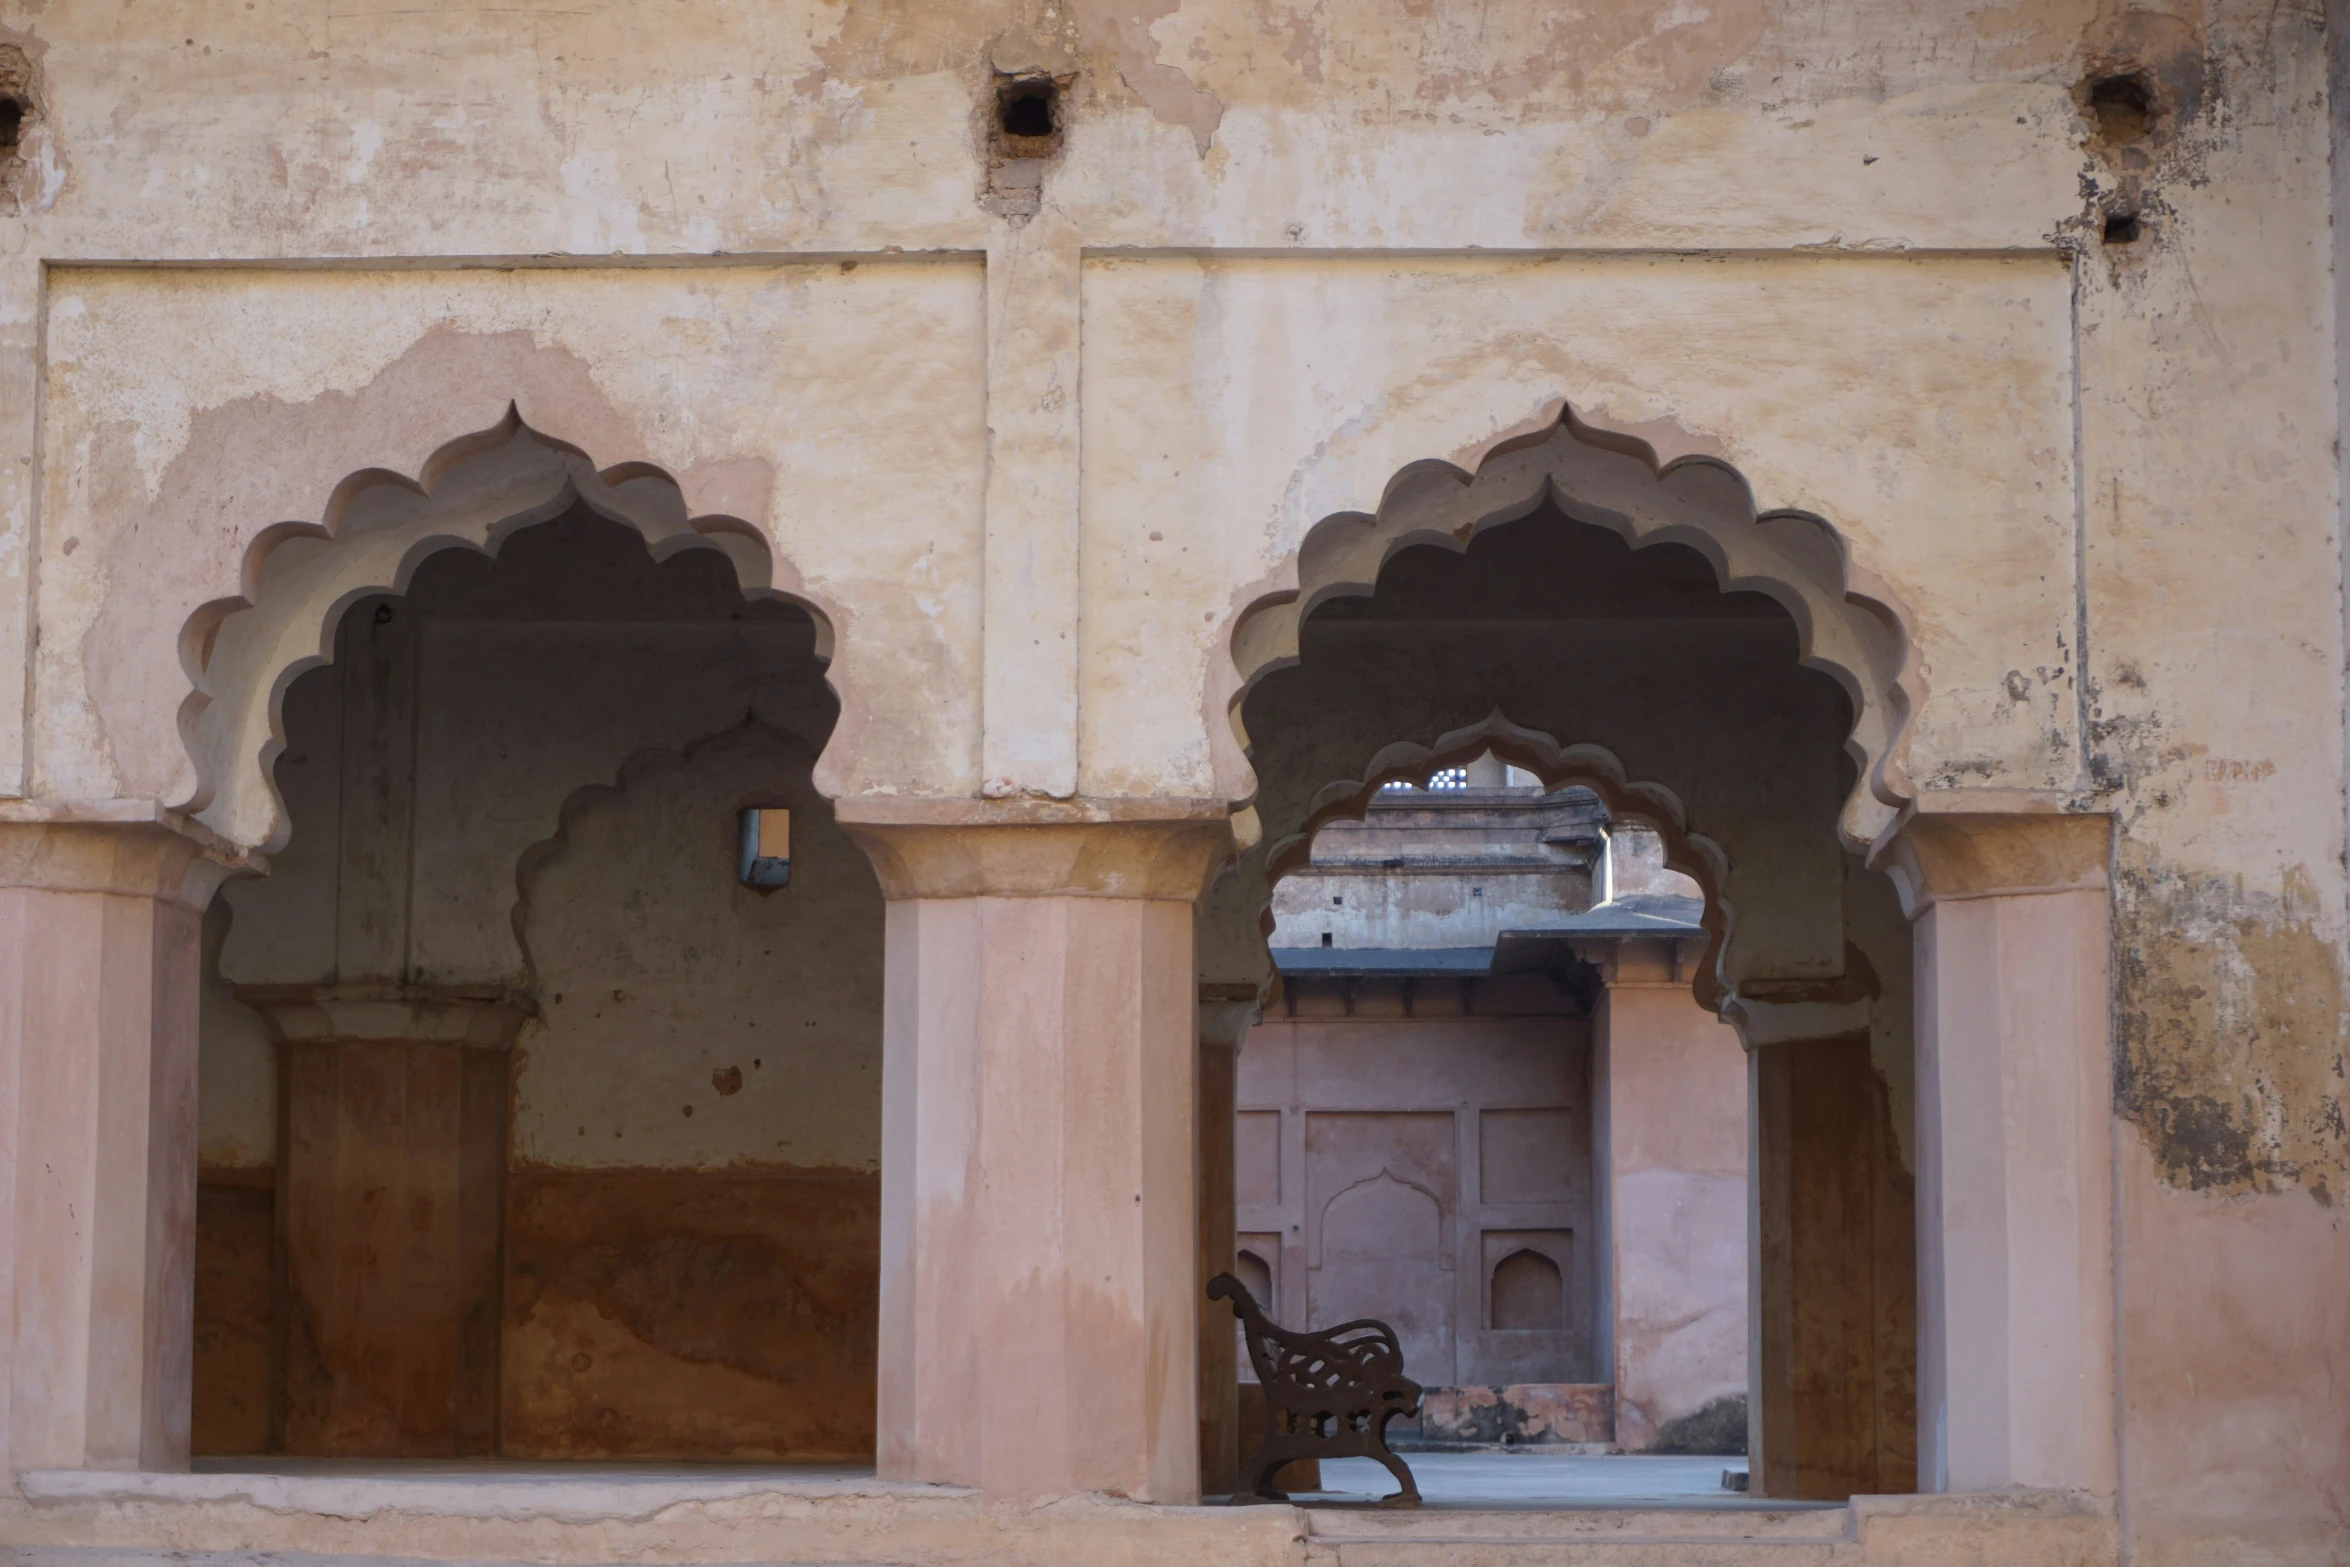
1919	402
740	382
2102	479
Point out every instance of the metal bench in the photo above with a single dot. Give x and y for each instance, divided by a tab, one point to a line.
1327	1395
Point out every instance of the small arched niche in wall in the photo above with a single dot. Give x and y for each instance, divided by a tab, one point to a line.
1527	1291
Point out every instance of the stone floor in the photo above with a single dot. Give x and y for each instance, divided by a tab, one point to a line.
1543	1480
1487	1509
1447	1480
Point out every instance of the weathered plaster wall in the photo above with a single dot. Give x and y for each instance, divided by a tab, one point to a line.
2193	562
380	370
1921	403
685	1019
692	1239
693	1245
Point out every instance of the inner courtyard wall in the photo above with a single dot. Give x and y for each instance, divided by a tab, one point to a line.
2100	478
1389	1162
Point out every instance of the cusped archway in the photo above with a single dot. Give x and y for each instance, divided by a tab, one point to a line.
1846	621
242	652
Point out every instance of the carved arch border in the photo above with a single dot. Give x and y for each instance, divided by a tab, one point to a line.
1847	622
241	653
1587	766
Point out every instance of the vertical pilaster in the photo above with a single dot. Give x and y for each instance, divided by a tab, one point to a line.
20	478
391	1179
1039	1313
1223	1022
377	665
1029	687
100	931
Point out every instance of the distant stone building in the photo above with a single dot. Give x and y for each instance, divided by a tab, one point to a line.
1488	1110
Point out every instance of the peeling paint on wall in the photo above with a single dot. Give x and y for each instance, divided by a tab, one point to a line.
2230	1056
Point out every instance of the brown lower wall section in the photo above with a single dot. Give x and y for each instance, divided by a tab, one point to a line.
236	1330
690	1314
648	1314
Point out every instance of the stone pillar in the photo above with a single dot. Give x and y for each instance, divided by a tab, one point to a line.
1225	1013
1675	1084
2012	934
390	1212
1039	1311
100	932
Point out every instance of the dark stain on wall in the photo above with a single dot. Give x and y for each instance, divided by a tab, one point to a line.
2229	1043
2228	1014
1718	1428
691	1313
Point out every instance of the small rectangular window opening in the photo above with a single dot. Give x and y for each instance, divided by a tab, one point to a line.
765	862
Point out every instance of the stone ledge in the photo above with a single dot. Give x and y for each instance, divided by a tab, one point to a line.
467	1490
482	1513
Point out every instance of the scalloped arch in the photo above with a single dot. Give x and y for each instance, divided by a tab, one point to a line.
1846	622
242	652
1558	766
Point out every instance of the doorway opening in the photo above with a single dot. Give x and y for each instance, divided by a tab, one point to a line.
1588	1063
535	1122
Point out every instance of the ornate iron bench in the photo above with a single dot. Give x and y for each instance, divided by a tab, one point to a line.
1327	1395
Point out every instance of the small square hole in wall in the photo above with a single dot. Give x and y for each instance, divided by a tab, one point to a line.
2121	228
1028	115
765	860
2123	104
16	98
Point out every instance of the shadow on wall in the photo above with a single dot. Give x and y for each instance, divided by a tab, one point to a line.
1718	1428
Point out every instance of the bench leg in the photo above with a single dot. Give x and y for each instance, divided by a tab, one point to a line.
1409	1496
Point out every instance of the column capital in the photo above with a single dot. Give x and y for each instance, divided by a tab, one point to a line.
1992	843
1023	852
483	1017
1224	1018
130	847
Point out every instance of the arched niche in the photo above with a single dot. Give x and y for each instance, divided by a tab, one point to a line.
242	652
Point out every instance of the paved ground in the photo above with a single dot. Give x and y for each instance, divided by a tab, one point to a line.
1543	1480
1489	1480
